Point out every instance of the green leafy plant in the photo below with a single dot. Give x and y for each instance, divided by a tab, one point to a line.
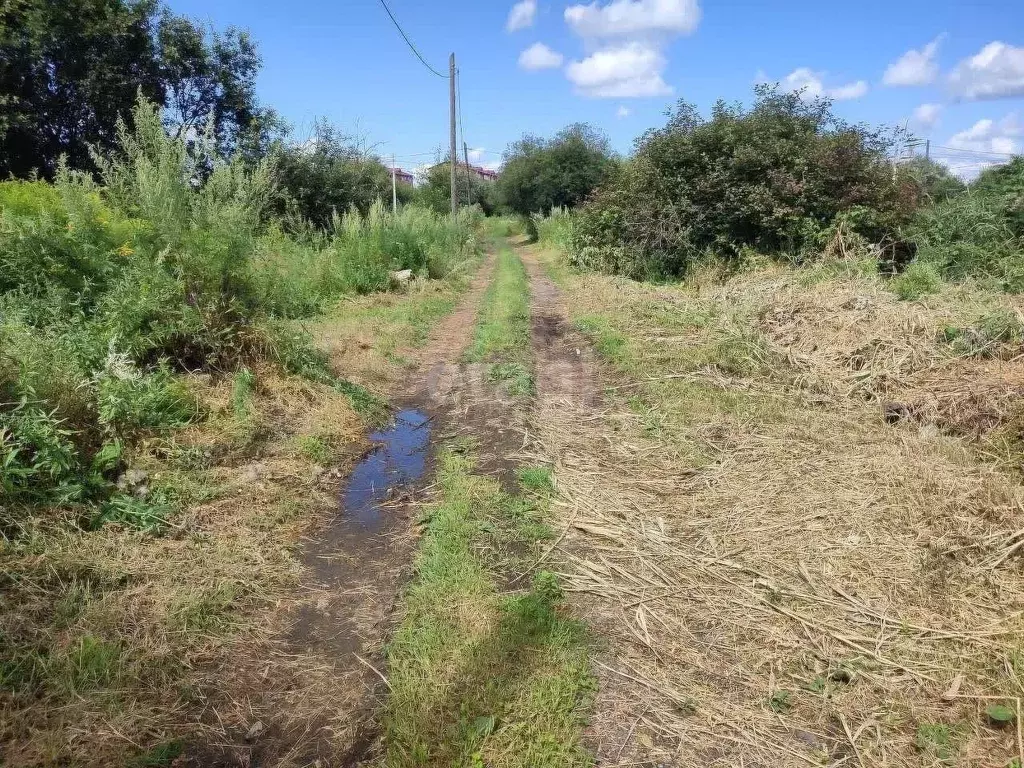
938	741
780	701
1000	715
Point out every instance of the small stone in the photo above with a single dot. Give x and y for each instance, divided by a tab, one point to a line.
401	277
255	730
251	473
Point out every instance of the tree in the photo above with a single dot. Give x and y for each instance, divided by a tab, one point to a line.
435	190
934	181
540	174
67	71
775	177
208	78
328	173
70	68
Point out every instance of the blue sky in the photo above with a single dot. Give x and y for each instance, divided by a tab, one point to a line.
954	70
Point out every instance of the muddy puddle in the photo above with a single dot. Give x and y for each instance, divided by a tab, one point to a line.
339	615
399	458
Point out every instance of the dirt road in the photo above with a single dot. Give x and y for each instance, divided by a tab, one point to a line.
317	698
729	596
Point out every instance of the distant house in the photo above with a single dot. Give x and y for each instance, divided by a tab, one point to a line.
403	177
483	174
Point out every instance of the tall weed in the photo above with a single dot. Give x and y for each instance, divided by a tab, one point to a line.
108	289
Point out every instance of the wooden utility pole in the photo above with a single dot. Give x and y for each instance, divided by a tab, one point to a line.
394	187
453	153
469	181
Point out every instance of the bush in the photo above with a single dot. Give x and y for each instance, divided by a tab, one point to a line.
130	401
327	175
773	178
555	229
560	172
978	233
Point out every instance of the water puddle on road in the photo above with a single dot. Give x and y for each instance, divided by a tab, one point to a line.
399	458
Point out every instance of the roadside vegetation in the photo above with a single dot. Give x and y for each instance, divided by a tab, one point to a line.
502	337
486	668
110	290
165	419
785	180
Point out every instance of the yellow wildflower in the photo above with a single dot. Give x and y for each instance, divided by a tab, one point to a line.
125	251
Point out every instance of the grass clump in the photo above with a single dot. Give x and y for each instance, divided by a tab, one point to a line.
995	331
916	282
555	229
536	479
502	336
938	742
518	380
479	677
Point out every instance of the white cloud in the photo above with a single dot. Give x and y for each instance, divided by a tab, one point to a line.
927	115
986	143
539	56
632	61
994	72
811	84
631	70
849	91
622	111
915	67
634	18
522	15
991	136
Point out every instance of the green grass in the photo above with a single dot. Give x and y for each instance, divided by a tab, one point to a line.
503	326
482	676
621	318
939	742
160	756
399	320
919	280
502	336
537	479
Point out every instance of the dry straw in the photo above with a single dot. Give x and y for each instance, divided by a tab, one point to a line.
828	589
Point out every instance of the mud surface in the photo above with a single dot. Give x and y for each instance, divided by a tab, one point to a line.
319	707
565	371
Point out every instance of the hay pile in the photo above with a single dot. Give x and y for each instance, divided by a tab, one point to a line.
826	589
927	361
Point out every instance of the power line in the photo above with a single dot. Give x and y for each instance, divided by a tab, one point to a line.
408	41
974	151
458	83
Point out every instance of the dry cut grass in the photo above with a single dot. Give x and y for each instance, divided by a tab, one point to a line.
786	578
